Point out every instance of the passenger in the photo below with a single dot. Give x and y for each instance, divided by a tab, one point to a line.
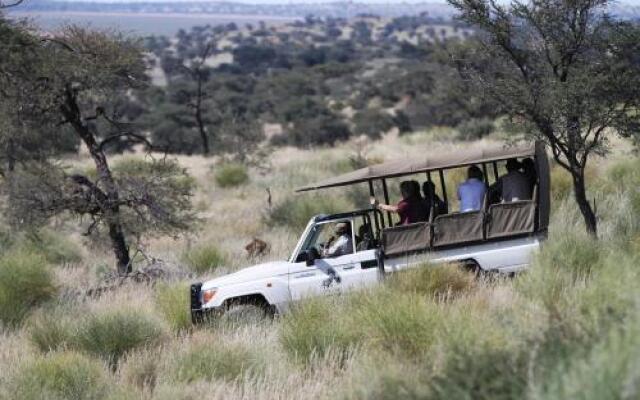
471	192
365	241
410	208
514	185
429	192
529	171
341	243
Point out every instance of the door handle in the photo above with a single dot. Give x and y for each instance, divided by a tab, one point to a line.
348	267
304	275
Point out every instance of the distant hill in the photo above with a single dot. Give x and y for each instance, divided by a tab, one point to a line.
337	9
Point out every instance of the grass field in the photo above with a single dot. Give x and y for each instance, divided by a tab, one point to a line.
567	329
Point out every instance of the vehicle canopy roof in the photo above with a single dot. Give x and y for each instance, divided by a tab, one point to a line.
400	167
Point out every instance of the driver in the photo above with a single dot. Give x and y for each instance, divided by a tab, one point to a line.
341	243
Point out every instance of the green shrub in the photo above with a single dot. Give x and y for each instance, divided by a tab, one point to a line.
478	373
295	212
217	361
403	323
565	260
25	282
624	174
231	175
55	248
173	302
561	184
314	328
51	328
608	371
433	280
475	128
63	376
203	258
112	334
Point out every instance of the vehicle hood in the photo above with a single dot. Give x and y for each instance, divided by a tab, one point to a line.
260	271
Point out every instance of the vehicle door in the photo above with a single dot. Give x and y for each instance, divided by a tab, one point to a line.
315	271
363	269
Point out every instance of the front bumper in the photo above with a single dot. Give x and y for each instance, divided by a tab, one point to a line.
198	313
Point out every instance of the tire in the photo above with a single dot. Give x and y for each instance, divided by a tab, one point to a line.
243	312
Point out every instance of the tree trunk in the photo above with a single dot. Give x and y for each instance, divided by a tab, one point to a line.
120	248
583	203
199	121
111	209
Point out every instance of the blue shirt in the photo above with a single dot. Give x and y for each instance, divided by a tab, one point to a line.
471	194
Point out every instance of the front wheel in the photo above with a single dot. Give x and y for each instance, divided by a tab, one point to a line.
248	312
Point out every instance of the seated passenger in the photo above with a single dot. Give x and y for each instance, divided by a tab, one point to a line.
429	192
410	208
341	243
529	171
364	239
514	185
471	192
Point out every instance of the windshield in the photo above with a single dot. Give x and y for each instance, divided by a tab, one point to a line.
330	239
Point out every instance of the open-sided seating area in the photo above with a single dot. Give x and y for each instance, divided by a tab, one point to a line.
499	221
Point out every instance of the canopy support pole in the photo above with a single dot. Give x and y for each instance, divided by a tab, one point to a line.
444	189
495	170
486	176
375	214
432	194
386	200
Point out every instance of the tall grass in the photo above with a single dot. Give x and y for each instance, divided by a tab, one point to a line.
108	334
173	302
25	283
231	175
203	257
63	376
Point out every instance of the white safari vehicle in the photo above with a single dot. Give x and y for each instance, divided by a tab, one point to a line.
500	237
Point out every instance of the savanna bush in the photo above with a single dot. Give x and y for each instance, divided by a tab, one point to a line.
217	360
108	334
295	212
55	248
402	323
61	376
433	280
25	282
231	175
475	128
316	327
565	260
111	334
173	302
203	257
607	371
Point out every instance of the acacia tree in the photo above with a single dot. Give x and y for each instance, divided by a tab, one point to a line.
70	80
564	70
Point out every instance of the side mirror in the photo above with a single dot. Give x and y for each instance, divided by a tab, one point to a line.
312	256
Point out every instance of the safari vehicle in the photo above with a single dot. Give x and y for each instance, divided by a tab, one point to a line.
499	237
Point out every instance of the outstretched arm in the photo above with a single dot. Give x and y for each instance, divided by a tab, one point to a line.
383	207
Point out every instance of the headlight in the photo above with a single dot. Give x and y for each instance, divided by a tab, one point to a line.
208	294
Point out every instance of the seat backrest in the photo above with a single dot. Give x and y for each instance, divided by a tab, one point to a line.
510	219
406	238
459	227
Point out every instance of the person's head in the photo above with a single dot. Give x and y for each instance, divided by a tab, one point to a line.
407	189
342	228
416	188
513	165
363	230
429	189
528	165
474	173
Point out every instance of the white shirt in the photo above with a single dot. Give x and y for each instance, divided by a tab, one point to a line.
341	246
